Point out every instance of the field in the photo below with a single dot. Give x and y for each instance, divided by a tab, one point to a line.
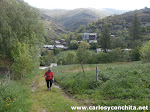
124	83
118	84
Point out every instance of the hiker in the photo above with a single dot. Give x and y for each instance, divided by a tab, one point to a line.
49	78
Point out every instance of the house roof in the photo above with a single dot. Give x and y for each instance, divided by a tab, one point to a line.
48	46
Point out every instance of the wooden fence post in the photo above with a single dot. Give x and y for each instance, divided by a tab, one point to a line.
96	73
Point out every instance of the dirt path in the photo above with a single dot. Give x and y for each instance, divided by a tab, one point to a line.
55	100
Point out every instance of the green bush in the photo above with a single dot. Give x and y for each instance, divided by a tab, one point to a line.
135	54
56	50
74	45
61	61
113	55
71	57
94	45
47	57
102	57
145	52
23	61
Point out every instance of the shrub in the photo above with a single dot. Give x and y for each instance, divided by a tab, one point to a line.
74	45
61	61
102	57
145	52
47	57
94	45
113	55
135	54
23	61
71	57
57	50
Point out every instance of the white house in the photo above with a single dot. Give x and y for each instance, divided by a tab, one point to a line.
89	36
49	46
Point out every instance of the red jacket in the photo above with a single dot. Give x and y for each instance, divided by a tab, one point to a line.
49	75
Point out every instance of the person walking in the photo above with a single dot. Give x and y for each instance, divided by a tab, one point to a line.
49	78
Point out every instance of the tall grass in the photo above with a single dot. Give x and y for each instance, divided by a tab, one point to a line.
118	84
15	95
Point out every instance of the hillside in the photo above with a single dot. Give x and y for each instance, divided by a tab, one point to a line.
123	22
53	29
72	19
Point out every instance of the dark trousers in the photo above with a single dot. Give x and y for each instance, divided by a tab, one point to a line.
49	82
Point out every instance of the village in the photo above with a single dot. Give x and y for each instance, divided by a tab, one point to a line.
89	37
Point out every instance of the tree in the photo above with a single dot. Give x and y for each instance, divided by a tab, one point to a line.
135	54
82	53
105	38
135	29
20	26
145	52
22	60
74	45
94	45
118	43
71	57
47	57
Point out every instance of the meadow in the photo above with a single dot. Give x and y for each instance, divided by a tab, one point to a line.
121	83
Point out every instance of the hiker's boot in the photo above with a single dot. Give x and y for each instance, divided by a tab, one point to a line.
47	89
50	88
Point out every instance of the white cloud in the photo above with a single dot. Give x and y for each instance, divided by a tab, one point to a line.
72	4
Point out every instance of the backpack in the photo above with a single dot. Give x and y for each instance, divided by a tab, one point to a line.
48	77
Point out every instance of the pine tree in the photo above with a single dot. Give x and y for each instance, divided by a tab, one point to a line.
105	39
135	29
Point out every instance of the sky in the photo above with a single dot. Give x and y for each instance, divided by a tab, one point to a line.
98	4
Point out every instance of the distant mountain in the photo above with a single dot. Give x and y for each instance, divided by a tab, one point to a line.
110	11
72	19
123	21
53	29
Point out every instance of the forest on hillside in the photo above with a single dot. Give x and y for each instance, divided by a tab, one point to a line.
21	36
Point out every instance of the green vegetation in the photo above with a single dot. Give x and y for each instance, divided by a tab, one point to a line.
145	52
105	39
15	95
21	36
47	57
31	95
118	83
121	82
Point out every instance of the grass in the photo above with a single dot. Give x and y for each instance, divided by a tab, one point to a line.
14	97
15	94
118	84
31	95
51	101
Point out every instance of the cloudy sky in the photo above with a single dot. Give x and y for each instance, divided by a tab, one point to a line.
72	4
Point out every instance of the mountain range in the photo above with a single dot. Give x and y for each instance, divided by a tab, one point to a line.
60	20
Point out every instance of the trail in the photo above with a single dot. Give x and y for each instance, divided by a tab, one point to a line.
55	100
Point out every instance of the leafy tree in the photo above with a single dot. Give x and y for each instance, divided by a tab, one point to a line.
145	52
74	45
118	43
22	60
71	57
20	26
94	45
47	57
82	53
135	54
105	39
56	50
79	36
